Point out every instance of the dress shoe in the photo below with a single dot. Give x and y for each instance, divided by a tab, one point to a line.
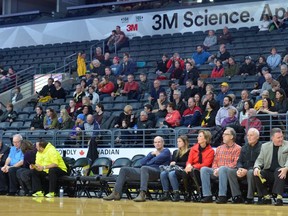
249	201
279	202
141	197
237	200
207	199
221	200
187	197
113	196
263	201
176	196
165	196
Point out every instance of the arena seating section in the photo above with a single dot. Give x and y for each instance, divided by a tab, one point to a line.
147	49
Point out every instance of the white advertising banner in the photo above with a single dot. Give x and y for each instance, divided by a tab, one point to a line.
159	22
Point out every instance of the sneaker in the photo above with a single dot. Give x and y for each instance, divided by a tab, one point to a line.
38	194
249	201
237	200
263	201
207	199
50	195
221	200
279	202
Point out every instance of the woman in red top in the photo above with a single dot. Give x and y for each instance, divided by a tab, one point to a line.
105	87
218	70
200	155
173	116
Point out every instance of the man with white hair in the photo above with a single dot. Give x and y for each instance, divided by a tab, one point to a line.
96	68
244	168
283	78
149	171
179	104
13	162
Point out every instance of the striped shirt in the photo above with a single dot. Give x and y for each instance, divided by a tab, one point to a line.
226	156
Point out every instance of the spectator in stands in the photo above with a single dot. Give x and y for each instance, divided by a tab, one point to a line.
284	21
131	88
260	64
274	59
200	155
99	115
261	79
190	73
225	37
231	119
259	104
170	91
285	60
223	55
244	97
271	168
189	91
119	87
105	87
111	41
48	89
107	62
93	96
8	179
91	127
208	117
65	122
252	121
24	173
151	116
266	112
171	63
49	163
78	95
86	107
83	85
197	98
201	87
144	122
232	68
168	177
115	67
98	54
226	157
12	76
218	70
144	86
192	115
281	103
243	172
178	103
265	86
224	92
223	111
248	68
200	56
110	75
71	109
173	117
283	78
209	96
155	92
16	96
274	24
9	114
76	135
120	40
127	116
59	92
95	84
210	40
149	171
272	92
4	152
162	67
265	23
127	66
81	64
96	68
50	119
246	106
177	72
38	119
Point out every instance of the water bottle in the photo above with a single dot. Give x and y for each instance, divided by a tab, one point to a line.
61	192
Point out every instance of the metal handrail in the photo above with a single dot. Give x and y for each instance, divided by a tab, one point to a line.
65	61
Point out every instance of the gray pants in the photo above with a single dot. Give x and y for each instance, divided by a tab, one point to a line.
144	174
234	183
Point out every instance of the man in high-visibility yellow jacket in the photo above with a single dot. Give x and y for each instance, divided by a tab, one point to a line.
48	163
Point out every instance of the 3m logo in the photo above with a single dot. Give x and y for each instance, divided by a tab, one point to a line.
132	27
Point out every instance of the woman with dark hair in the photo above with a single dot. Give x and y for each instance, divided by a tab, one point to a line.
50	120
280	101
119	87
173	116
168	176
37	121
9	115
232	68
218	70
200	155
261	63
208	117
177	71
244	113
83	85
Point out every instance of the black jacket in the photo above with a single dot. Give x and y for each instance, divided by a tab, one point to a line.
248	156
180	161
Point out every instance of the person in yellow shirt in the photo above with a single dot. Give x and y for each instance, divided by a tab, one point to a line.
48	163
81	64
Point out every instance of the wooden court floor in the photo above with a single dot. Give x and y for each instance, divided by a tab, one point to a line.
28	206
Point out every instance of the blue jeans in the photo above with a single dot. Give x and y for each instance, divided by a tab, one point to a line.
167	177
206	173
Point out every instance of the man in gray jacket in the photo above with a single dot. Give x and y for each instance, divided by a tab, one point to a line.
271	167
